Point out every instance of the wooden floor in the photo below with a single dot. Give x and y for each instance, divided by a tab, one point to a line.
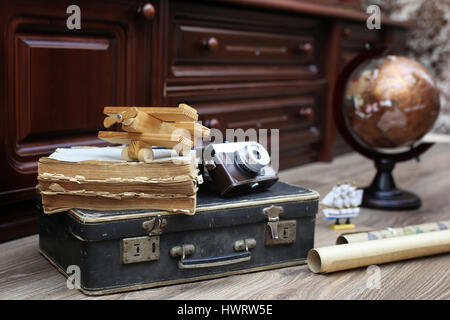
25	274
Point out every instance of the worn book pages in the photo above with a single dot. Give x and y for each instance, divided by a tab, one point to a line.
54	202
77	154
98	179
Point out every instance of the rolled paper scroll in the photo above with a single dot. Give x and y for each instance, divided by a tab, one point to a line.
392	232
360	254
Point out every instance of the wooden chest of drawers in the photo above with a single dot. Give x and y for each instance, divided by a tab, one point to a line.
242	63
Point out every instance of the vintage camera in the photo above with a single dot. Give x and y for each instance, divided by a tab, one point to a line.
238	167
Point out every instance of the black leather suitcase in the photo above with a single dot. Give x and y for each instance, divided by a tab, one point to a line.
128	250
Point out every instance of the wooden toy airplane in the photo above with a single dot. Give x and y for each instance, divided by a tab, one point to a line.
146	127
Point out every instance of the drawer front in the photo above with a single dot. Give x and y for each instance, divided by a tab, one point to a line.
284	113
297	116
221	43
296	113
232	46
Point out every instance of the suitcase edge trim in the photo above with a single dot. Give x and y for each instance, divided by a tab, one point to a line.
100	292
312	195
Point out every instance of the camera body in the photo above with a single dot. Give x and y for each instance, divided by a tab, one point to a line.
239	167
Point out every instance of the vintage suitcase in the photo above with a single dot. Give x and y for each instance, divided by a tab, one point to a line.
128	250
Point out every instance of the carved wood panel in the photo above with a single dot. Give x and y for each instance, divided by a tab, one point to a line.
65	83
58	80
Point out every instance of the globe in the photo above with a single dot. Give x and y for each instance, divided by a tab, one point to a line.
382	104
390	102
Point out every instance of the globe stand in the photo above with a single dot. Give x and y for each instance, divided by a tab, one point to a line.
383	193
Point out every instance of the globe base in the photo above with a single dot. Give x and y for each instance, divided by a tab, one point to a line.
383	194
390	200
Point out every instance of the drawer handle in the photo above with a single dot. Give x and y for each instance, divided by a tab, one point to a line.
305	112
211	44
147	11
305	47
212	123
347	32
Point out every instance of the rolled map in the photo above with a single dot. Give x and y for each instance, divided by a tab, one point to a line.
360	254
392	232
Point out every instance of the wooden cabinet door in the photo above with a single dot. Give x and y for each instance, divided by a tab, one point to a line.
57	81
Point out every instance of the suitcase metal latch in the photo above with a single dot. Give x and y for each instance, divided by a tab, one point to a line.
155	225
182	251
273	216
276	231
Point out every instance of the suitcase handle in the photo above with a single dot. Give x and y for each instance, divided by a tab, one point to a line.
208	262
243	254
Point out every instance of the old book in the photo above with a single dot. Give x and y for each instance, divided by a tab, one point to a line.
97	178
56	202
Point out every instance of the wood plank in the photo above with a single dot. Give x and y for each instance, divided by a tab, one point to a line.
181	113
193	128
145	123
154	139
25	274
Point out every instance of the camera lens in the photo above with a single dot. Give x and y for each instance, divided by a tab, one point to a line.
252	158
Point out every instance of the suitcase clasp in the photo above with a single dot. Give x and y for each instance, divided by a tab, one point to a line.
182	251
273	216
278	232
155	225
244	245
